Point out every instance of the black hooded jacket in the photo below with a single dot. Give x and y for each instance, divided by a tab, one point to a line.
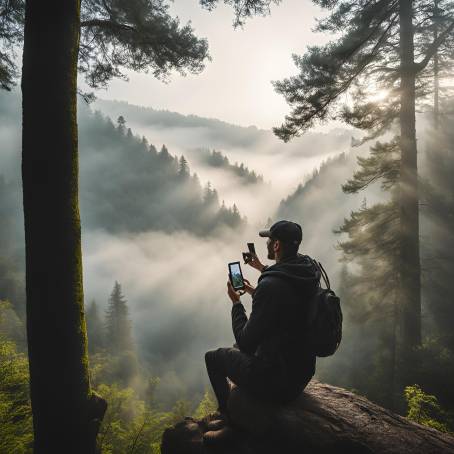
275	328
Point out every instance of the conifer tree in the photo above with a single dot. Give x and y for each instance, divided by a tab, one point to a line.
183	170
118	325
379	49
121	124
98	38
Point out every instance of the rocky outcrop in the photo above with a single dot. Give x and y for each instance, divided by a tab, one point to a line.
324	419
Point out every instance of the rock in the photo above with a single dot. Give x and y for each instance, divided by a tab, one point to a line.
324	419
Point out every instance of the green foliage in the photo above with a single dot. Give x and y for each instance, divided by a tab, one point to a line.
424	409
131	425
435	368
16	430
207	405
122	368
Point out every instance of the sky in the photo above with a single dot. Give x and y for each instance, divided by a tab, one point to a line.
236	85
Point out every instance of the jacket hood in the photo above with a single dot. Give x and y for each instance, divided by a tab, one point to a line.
300	271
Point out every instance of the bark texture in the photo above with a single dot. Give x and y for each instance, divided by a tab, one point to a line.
324	419
66	414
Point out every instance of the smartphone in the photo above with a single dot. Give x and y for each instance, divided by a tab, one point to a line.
246	257
236	276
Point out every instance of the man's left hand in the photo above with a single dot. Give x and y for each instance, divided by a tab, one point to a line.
233	294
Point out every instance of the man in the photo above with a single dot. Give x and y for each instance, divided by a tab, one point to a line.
269	359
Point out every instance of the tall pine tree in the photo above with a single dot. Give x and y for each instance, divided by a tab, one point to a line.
118	325
99	38
379	50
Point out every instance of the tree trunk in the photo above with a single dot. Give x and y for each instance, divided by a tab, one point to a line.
436	71
324	419
66	414
410	288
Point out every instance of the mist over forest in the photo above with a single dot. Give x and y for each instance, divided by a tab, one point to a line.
151	225
166	233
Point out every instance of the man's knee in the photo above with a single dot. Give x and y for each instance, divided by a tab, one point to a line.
215	356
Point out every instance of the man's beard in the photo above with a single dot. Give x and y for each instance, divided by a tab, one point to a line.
270	252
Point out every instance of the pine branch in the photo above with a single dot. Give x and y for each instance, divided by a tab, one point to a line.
284	131
105	23
433	48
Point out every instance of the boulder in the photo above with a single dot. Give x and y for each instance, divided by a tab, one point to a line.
323	419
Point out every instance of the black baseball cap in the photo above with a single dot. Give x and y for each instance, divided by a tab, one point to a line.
286	231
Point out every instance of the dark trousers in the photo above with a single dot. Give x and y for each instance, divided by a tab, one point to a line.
249	373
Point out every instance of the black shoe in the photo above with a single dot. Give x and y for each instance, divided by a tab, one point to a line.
215	424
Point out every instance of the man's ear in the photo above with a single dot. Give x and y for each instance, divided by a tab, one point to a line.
277	246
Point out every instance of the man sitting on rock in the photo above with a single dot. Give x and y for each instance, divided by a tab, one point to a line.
270	359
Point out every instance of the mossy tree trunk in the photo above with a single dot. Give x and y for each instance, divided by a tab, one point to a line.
66	414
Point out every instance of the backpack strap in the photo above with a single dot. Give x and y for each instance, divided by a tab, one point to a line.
322	272
325	276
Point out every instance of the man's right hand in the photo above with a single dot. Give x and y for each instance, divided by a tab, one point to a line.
255	263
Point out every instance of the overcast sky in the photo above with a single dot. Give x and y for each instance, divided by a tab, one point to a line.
236	85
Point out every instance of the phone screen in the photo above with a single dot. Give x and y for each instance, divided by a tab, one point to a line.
236	277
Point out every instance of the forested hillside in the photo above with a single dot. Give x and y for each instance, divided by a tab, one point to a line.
217	159
128	185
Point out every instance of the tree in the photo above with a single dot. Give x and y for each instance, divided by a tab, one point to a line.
11	36
57	342
59	39
118	325
375	52
141	36
440	66
243	9
183	168
121	124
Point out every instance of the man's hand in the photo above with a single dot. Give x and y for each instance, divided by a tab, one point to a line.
255	263
248	287
233	294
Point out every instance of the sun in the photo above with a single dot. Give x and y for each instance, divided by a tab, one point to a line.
378	95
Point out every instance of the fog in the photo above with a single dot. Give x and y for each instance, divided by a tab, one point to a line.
175	281
283	165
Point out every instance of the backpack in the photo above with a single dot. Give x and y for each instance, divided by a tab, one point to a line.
324	329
